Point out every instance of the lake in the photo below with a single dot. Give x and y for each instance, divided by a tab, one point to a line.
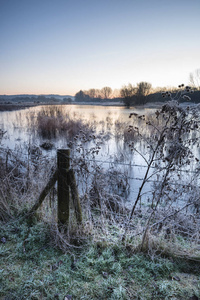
109	124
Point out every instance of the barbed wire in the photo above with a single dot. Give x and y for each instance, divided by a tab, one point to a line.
72	159
133	165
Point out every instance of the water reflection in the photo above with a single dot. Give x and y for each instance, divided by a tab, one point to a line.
74	126
22	125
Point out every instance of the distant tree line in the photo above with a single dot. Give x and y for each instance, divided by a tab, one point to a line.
130	94
136	95
40	98
97	95
33	99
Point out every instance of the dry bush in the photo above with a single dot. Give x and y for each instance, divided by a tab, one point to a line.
23	174
103	189
53	121
173	130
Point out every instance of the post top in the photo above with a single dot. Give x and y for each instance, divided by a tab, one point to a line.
63	150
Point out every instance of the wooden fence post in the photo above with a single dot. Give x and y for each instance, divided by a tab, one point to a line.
75	196
63	162
66	184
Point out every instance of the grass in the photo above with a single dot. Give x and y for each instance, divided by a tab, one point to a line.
38	262
53	121
32	268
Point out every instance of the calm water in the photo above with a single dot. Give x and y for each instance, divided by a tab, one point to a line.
108	122
17	124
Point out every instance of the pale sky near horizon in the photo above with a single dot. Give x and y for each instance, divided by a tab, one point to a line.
63	46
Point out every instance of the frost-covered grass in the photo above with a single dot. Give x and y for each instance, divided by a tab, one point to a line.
148	252
31	268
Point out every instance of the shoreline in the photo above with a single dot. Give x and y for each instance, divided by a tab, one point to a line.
17	106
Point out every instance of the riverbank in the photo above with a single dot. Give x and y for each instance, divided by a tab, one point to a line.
159	256
18	106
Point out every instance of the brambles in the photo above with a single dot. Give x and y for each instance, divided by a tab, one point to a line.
174	130
22	174
164	224
181	94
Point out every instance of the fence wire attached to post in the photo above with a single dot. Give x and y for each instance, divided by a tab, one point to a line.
66	186
63	165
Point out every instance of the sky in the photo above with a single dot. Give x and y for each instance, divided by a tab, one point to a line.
64	46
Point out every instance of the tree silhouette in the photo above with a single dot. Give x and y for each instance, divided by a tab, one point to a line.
143	90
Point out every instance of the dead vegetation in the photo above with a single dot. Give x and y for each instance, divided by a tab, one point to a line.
169	217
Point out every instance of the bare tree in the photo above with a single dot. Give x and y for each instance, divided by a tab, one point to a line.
99	94
143	90
194	79
92	93
173	131
116	93
128	93
106	91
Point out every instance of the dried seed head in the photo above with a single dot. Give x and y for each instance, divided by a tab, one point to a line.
187	87
187	98
164	94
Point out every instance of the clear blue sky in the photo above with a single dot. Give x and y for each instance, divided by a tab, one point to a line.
62	46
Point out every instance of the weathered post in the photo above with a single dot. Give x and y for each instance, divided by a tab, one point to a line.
66	184
75	196
63	162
